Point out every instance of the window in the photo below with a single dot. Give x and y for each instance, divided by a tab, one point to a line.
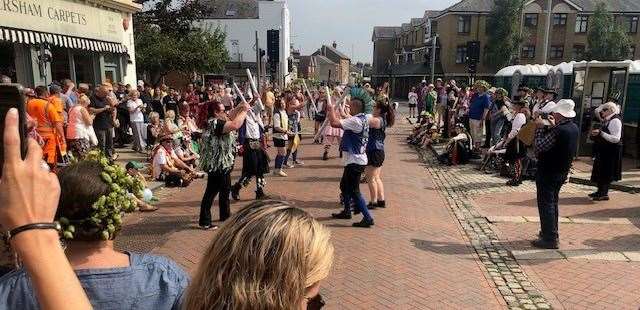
633	24
531	20
434	28
461	54
529	51
464	24
578	52
559	19
582	23
557	52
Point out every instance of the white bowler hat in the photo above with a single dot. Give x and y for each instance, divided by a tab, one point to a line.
565	107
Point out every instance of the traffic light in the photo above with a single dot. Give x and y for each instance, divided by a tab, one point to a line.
273	45
472	67
473	52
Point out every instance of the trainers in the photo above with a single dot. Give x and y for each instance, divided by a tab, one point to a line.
382	204
364	223
299	163
279	173
342	215
290	166
594	194
325	155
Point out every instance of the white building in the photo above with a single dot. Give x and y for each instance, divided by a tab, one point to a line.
87	41
240	19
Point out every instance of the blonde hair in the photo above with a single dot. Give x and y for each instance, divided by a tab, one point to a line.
83	99
263	257
133	92
170	115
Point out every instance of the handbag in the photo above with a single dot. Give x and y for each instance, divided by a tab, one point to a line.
91	136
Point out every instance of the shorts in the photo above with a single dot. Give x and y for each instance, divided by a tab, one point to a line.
279	142
412	105
375	158
477	130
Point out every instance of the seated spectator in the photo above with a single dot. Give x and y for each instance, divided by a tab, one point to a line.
268	244
168	167
154	129
459	148
111	279
185	153
133	169
170	126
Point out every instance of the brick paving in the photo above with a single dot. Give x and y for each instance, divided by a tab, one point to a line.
415	257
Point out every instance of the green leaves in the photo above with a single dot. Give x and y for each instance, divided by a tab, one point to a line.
608	41
503	31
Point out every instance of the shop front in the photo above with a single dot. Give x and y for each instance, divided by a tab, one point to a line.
88	41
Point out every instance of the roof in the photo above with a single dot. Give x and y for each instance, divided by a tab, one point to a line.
232	9
527	70
385	32
331	53
486	6
322	60
431	14
416	21
405	26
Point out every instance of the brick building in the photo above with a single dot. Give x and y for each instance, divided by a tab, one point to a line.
406	63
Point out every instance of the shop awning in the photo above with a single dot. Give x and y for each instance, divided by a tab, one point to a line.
34	37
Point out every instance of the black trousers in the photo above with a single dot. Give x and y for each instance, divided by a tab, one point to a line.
217	183
547	191
105	141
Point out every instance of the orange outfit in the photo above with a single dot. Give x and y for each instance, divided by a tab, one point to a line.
47	116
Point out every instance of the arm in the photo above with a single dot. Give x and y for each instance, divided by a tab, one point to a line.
86	117
615	127
334	121
238	120
375	122
180	164
29	194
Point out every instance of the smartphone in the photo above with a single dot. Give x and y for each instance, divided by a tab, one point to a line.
12	96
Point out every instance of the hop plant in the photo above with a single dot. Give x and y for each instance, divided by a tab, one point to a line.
108	211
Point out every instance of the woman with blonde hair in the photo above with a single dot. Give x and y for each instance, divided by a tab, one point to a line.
268	256
171	126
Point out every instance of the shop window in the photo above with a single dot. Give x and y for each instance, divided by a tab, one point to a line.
60	66
633	24
464	24
531	20
7	61
529	51
559	19
582	24
83	63
461	54
557	52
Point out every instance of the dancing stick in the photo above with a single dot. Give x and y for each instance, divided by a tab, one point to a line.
235	86
326	120
254	89
313	102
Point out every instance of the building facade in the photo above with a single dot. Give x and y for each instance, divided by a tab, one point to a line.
343	63
87	41
240	19
466	21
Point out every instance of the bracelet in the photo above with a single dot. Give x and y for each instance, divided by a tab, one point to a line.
55	226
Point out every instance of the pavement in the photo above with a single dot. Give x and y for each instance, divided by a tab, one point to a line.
450	238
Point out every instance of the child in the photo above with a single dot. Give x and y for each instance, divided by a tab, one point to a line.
133	169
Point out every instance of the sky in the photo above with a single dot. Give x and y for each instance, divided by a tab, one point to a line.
350	22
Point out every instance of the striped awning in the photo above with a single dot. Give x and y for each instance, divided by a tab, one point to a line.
34	37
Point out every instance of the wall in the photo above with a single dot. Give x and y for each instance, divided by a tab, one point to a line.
382	53
241	32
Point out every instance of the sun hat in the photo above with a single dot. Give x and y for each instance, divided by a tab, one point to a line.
502	91
482	83
565	107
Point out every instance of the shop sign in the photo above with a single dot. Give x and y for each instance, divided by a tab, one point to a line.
62	17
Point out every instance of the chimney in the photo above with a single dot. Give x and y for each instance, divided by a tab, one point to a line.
335	45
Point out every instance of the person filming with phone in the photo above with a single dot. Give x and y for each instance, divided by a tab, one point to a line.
556	143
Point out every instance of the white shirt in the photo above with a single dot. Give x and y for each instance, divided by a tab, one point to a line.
546	109
277	124
517	124
135	115
159	160
355	124
615	129
413	98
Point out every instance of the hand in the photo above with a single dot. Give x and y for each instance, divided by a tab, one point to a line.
330	106
244	107
540	122
595	132
28	193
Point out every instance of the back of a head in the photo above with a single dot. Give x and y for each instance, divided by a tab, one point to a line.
263	257
5	79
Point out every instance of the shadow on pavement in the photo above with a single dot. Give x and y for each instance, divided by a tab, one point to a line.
446	248
562	201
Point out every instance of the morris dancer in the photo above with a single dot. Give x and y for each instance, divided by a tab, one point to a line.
354	141
331	134
294	107
383	117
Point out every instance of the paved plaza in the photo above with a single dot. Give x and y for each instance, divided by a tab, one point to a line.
450	238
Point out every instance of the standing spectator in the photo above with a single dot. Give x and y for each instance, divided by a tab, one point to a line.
556	143
413	102
69	91
422	96
607	166
135	106
431	98
192	98
50	124
156	102
171	102
80	135
441	106
478	110
227	100
462	108
102	123
122	131
61	102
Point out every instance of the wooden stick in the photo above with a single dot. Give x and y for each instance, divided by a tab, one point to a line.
313	102
326	120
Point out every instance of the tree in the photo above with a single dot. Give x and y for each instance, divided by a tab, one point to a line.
607	40
167	39
503	31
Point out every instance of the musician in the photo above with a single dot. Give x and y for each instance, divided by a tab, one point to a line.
607	166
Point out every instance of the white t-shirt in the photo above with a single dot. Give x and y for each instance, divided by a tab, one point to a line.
277	124
355	124
161	159
135	115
